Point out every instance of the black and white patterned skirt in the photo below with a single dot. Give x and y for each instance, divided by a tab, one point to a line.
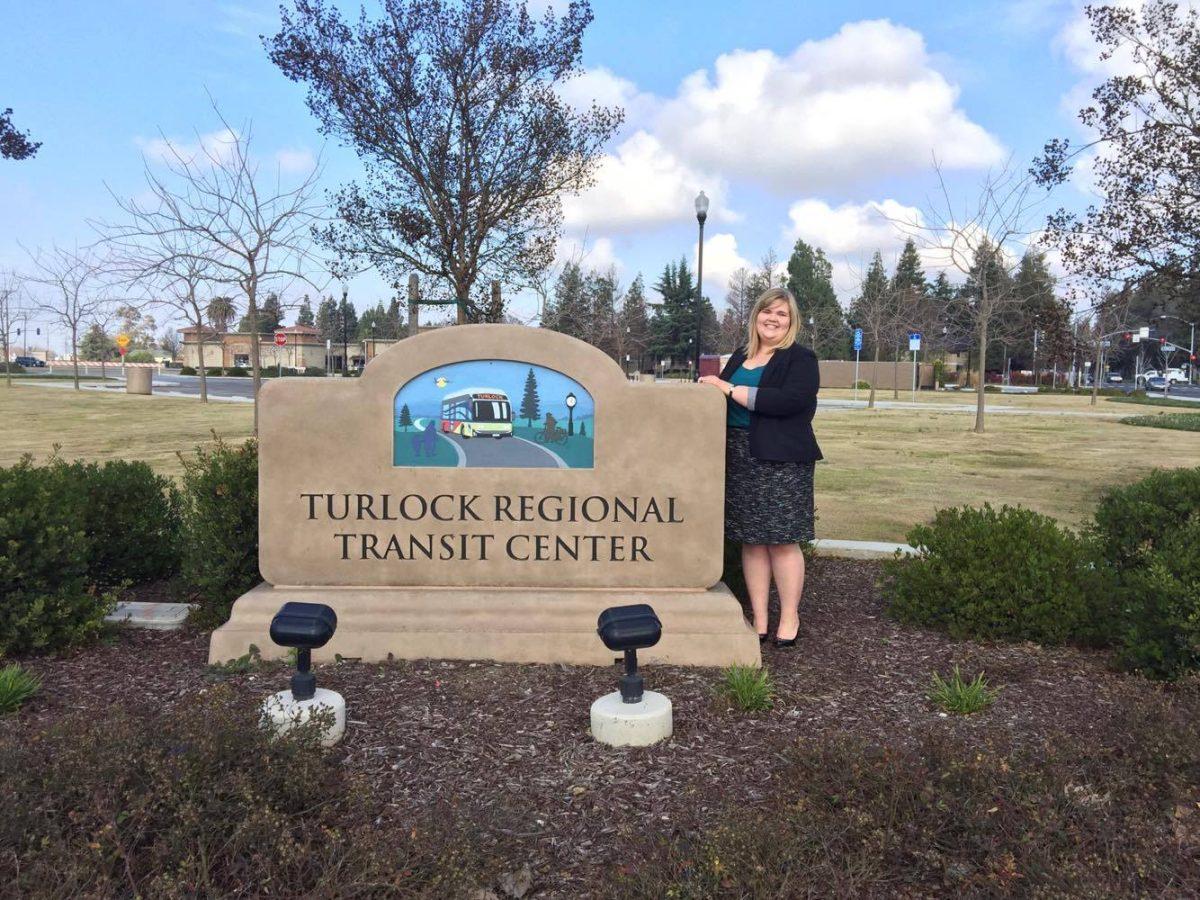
765	502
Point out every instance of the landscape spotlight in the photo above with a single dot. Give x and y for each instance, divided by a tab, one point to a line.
629	629
304	626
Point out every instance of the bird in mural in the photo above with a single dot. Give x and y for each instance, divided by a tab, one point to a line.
441	381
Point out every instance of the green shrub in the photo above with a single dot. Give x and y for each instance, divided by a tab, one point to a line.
48	599
214	372
220	526
16	686
863	385
14	368
1150	534
939	372
199	801
187	370
314	371
1140	398
238	372
1176	422
132	521
958	695
140	356
1007	574
946	816
748	688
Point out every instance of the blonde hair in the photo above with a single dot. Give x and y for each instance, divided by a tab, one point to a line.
765	299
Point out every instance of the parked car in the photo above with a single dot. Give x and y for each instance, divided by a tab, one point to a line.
30	362
1113	378
1155	383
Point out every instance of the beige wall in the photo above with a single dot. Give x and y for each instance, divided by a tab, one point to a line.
837	373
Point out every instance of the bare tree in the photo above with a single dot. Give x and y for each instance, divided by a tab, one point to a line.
171	265
874	310
10	311
214	205
981	240
74	290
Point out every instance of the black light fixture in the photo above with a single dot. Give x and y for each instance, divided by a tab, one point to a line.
571	401
305	626
628	629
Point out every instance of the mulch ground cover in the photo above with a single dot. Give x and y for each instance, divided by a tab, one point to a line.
505	748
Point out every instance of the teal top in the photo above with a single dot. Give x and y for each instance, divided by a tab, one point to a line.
737	416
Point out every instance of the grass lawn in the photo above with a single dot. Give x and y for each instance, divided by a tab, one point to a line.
94	425
884	469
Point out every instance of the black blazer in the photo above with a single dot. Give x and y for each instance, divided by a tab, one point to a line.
782	406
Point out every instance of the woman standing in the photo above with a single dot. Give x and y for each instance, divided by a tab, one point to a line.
770	452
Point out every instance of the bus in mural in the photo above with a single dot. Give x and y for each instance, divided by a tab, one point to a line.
477	412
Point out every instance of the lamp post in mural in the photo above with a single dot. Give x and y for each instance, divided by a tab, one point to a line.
571	401
701	215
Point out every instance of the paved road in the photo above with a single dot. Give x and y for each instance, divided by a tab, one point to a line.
504	453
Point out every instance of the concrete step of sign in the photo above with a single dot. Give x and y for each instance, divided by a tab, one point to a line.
861	549
159	616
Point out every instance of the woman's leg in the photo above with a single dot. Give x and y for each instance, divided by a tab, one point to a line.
756	569
787	565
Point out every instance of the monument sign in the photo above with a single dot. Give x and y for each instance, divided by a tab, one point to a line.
483	492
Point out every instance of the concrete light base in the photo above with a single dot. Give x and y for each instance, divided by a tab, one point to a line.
521	625
621	724
138	380
281	713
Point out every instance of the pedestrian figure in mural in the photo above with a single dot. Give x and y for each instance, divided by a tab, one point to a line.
771	388
426	440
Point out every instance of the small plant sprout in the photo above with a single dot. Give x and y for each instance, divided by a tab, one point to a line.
958	695
749	689
16	686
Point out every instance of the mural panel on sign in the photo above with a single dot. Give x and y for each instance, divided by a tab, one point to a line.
493	413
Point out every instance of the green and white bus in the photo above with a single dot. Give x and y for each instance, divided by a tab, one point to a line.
477	412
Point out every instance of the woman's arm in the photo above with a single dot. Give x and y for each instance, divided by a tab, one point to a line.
797	394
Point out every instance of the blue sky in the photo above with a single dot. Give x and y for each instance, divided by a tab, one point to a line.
797	119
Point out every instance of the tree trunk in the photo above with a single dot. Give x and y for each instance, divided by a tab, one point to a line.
252	315
896	375
7	363
979	401
1096	371
874	377
74	355
200	368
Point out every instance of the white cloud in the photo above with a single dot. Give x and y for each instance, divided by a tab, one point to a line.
603	86
721	259
295	162
863	103
598	255
218	145
643	185
851	228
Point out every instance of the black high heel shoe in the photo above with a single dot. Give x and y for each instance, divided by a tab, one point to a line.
790	642
762	639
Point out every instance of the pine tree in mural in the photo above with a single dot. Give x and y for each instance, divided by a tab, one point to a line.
405	418
530	402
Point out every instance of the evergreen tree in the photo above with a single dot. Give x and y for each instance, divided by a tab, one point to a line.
873	311
305	315
568	312
327	319
601	289
347	322
530	402
405	417
97	345
673	326
810	279
634	325
137	326
373	323
270	316
395	327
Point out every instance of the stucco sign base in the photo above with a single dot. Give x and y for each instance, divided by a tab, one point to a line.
520	625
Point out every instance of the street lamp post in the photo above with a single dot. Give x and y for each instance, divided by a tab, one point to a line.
571	401
701	215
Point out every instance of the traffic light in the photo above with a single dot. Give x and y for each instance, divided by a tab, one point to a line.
1127	336
1161	341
